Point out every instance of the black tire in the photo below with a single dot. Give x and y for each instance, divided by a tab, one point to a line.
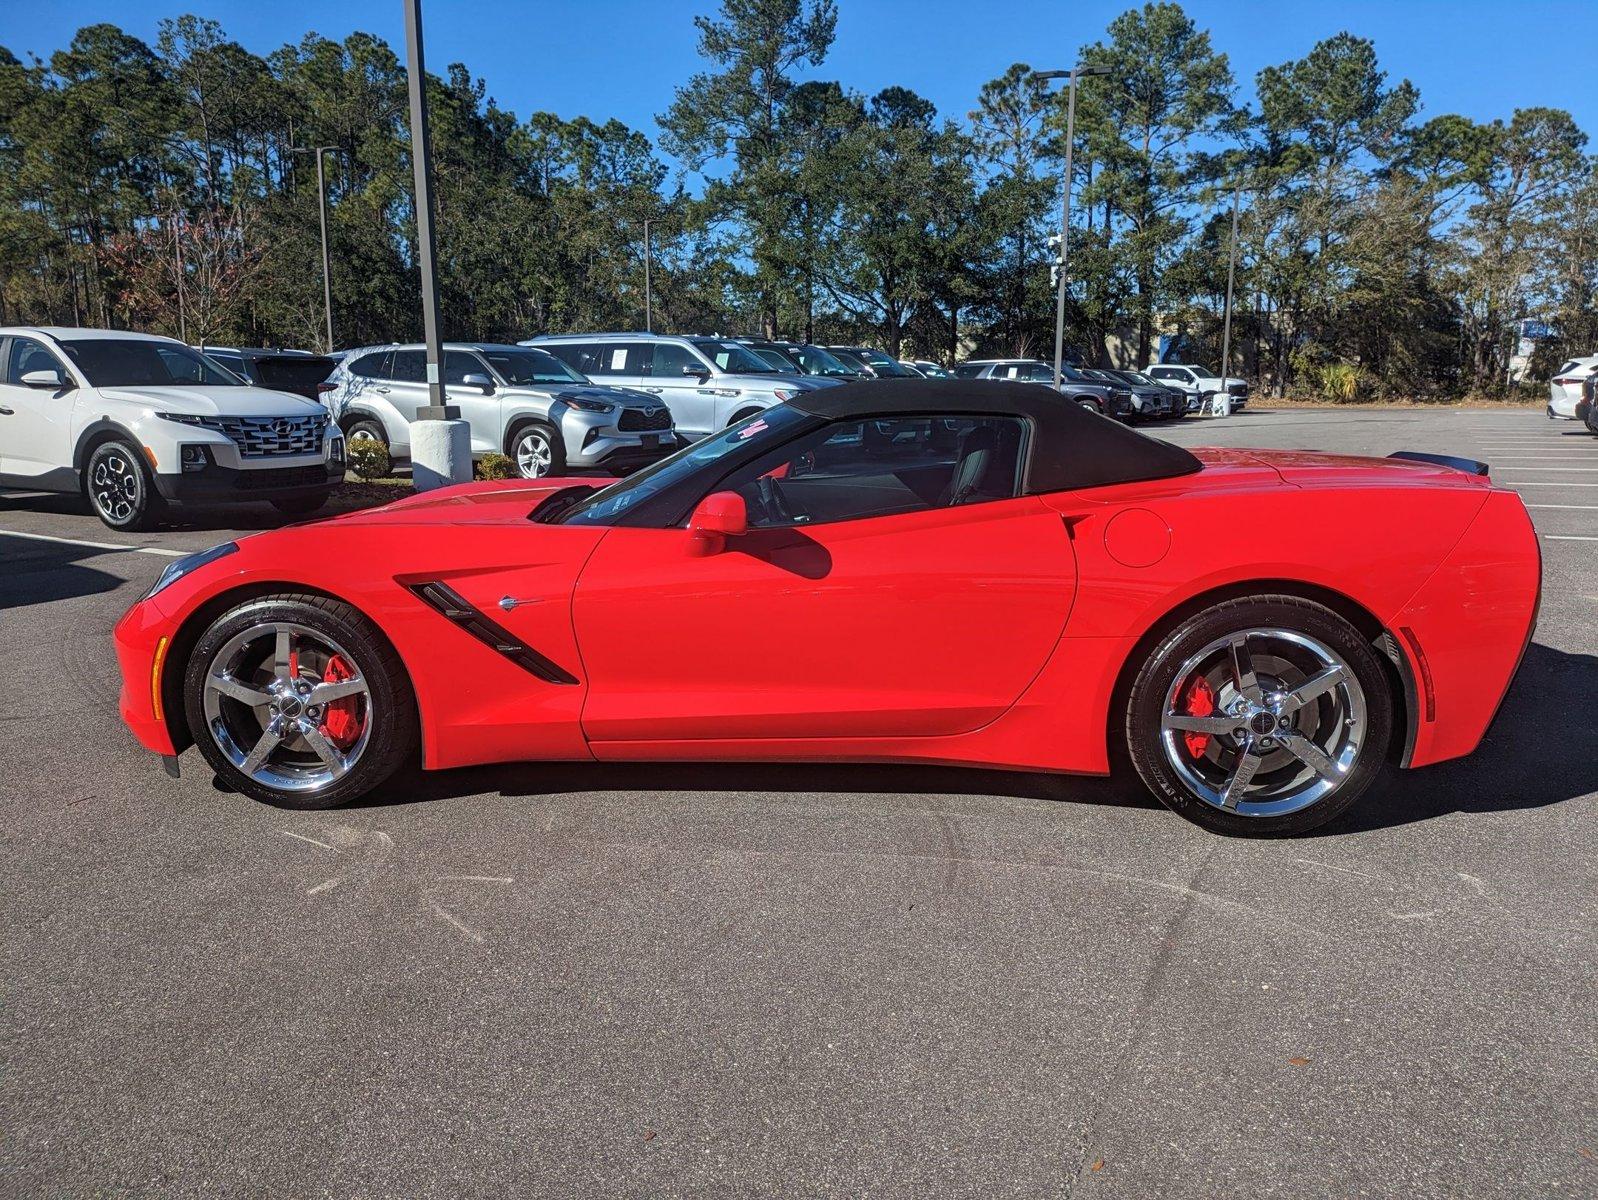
393	738
1089	403
1158	676
301	506
527	432
364	428
120	487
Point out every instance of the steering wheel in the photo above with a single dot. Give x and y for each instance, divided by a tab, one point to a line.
776	508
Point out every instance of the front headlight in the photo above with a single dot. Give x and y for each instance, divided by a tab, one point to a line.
593	406
181	418
179	567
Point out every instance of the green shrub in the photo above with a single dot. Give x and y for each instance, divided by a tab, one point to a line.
496	466
1339	382
368	458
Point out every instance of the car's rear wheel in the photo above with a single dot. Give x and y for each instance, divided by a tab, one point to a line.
1263	716
537	451
121	488
298	701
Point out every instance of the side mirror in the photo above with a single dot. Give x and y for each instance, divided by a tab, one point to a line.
478	381
50	377
720	515
697	371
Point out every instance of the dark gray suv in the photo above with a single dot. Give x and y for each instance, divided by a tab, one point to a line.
1097	395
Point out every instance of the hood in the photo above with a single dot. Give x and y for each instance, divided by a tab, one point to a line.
626	397
200	401
494	502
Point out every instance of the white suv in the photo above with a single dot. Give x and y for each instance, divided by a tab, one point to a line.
1199	383
517	400
140	423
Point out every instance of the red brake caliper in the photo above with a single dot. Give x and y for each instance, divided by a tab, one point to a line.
1199	702
341	720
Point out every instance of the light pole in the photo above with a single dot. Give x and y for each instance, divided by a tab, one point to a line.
649	281
327	262
1075	73
422	165
1231	275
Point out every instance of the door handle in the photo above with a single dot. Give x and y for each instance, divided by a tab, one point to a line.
7	412
382	391
656	390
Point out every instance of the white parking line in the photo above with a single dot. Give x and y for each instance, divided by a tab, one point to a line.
1568	537
1545	458
1543	470
1550	483
1579	507
45	537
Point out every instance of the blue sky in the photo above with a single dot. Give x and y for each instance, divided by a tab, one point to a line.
625	58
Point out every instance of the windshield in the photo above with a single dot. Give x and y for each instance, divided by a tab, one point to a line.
1075	376
817	361
1204	372
875	357
531	366
1139	378
775	359
733	358
127	362
608	503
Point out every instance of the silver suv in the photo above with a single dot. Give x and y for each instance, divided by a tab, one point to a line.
518	401
708	383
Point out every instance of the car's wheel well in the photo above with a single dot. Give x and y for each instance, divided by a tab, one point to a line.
1349	609
175	662
353	417
520	423
95	436
744	412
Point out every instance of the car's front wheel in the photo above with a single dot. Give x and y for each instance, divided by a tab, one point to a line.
537	451
1261	716
121	488
298	700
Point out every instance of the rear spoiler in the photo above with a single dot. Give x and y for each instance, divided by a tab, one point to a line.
1468	465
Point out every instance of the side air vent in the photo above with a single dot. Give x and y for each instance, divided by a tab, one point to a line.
452	605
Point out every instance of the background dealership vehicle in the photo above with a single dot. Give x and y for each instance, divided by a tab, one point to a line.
1106	397
707	383
518	401
1565	388
1198	382
1154	398
801	358
141	423
929	369
879	364
1111	591
298	371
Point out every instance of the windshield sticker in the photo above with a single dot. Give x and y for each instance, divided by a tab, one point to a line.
749	431
618	359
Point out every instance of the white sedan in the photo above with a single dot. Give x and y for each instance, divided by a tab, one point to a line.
1564	389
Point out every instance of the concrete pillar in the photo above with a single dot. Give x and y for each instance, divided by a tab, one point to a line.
441	453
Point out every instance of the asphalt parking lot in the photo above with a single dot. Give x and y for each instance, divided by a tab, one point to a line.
672	980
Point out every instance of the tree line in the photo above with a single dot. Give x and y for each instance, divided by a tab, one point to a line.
1382	252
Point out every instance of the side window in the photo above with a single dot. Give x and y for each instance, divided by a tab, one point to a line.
670	360
28	355
458	364
1038	373
409	366
610	358
873	468
970	370
371	366
1165	373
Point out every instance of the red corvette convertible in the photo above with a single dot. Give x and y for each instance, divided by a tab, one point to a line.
950	572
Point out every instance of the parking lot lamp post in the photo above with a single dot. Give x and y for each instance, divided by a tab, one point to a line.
649	283
441	444
1231	276
1071	76
327	262
422	167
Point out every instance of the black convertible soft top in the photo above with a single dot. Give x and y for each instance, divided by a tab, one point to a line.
1071	447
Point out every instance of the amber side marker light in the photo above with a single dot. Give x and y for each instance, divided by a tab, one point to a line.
155	679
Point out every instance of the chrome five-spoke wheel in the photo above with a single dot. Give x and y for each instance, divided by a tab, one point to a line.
288	706
1263	722
1261	715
